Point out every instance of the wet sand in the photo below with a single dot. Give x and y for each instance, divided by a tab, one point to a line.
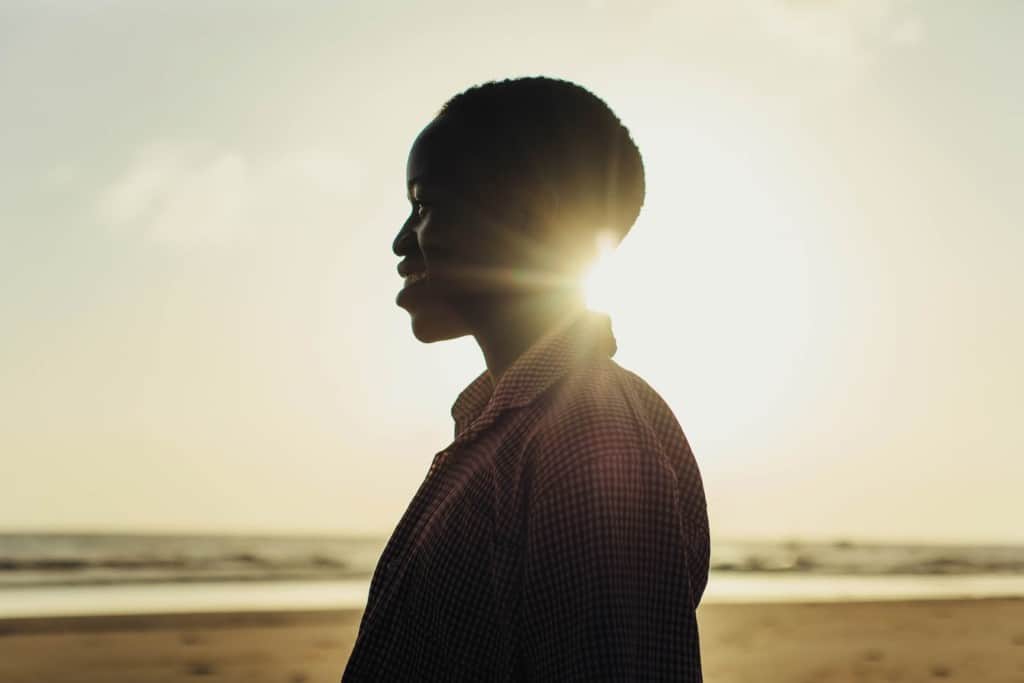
976	641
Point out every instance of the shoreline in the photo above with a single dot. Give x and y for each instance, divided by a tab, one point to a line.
102	623
152	621
314	596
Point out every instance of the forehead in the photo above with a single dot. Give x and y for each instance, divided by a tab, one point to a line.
438	153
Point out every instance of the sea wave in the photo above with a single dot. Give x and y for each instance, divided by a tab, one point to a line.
866	559
40	560
94	559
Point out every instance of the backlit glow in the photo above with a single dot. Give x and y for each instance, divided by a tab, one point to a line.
599	281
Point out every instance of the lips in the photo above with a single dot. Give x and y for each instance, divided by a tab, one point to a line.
413	278
412	282
413	272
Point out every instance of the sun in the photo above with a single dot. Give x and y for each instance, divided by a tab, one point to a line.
599	280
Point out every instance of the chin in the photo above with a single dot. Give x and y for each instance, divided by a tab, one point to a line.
433	326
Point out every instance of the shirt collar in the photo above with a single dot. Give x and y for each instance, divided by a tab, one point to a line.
579	337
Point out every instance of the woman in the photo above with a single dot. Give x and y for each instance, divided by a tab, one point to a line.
563	534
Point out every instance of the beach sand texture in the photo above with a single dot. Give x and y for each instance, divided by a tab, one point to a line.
976	641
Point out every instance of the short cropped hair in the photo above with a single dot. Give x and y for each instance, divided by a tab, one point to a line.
561	144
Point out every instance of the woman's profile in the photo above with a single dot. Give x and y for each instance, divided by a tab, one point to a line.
563	534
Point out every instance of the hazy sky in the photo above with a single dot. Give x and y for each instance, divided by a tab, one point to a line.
197	203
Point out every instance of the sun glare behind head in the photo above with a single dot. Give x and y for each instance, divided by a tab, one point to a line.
599	280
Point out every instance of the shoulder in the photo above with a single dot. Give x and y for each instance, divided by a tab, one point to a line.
603	399
589	402
656	410
587	416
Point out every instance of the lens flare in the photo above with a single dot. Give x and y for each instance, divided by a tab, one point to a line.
599	280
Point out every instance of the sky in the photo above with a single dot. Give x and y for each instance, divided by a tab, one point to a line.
198	200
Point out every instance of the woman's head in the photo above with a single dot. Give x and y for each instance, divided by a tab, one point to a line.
510	186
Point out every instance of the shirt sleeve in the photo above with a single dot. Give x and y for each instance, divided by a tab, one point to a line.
606	593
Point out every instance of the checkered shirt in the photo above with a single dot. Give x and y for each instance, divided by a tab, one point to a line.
562	536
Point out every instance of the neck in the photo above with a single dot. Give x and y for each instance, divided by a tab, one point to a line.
512	328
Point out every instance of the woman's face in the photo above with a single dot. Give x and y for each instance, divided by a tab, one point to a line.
456	244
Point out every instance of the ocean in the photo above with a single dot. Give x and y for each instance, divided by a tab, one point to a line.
58	574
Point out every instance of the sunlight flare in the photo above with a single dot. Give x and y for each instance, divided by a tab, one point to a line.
599	280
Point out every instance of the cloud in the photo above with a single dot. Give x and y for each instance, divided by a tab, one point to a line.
187	193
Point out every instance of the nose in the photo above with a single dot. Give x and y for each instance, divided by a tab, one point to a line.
405	242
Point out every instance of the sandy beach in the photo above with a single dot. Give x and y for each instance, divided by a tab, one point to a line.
976	641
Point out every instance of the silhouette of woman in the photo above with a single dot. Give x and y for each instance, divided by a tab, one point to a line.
563	534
